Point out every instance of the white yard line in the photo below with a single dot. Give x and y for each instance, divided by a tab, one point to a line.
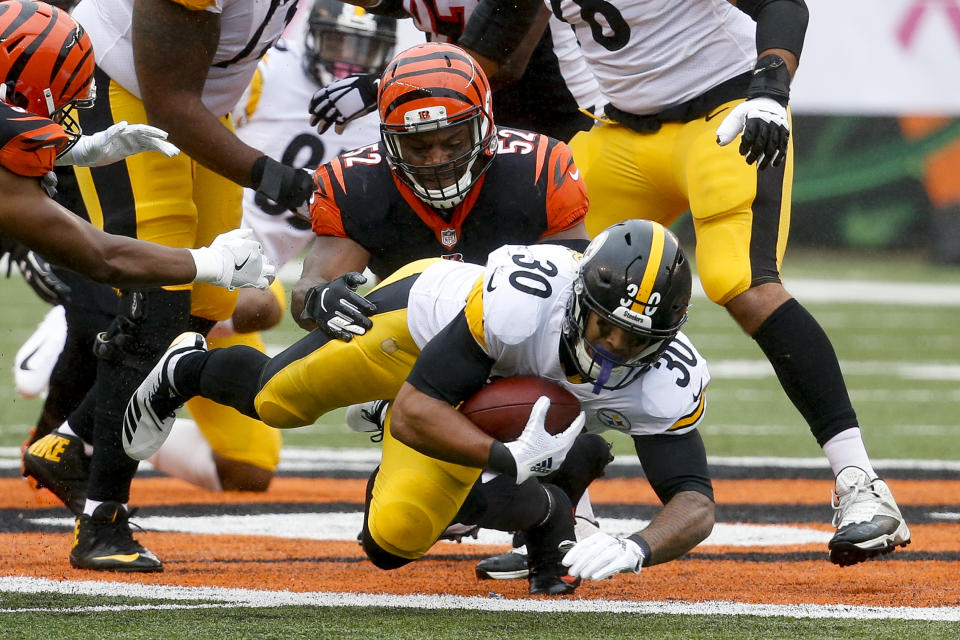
254	598
305	459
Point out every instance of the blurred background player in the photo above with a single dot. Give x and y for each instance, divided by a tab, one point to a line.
544	86
183	66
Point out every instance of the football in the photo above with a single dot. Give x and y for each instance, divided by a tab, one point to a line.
501	409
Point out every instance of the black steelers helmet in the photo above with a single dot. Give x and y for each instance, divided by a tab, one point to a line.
634	276
343	39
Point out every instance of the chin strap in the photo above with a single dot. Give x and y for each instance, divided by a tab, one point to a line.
606	360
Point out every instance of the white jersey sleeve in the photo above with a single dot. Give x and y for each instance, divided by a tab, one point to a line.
648	55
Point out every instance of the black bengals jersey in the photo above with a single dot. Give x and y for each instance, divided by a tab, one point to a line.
29	144
531	190
538	100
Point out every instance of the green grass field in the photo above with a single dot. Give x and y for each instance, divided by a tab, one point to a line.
902	362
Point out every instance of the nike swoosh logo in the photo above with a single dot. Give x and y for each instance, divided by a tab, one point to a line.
323	294
490	286
696	396
714	115
240	266
26	361
130	557
575	174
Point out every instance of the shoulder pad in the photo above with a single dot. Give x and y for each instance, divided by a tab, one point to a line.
674	388
521	286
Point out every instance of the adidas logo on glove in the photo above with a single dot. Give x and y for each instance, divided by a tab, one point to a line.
544	466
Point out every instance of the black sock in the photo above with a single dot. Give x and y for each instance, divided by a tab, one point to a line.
807	367
228	376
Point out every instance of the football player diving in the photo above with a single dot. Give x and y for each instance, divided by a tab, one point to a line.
604	325
46	73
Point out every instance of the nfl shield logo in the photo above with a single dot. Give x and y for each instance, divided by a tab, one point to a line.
448	237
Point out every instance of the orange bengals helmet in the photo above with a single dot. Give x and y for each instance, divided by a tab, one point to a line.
427	88
46	62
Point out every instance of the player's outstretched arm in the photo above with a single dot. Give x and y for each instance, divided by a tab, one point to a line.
683	523
116	143
29	216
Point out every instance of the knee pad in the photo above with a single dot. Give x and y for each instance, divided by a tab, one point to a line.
402	529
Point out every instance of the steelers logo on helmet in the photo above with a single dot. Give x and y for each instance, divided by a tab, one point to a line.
343	39
635	277
436	122
46	63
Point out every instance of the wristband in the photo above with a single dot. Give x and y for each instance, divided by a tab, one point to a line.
501	460
209	264
771	79
644	548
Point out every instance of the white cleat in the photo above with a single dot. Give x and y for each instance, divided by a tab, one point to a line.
35	360
151	411
368	417
867	519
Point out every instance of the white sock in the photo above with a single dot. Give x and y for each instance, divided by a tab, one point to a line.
187	455
846	450
67	431
90	505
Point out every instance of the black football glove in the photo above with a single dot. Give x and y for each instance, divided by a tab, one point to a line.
343	101
37	273
288	187
762	119
337	308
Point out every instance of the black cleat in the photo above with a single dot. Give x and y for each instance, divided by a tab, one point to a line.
104	542
57	462
506	566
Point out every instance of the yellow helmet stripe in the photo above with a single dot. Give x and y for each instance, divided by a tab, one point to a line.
653	269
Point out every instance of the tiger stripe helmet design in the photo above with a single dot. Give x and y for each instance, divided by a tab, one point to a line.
432	87
46	62
635	276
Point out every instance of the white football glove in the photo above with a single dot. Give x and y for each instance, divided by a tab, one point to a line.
765	128
116	143
601	555
536	452
233	260
343	101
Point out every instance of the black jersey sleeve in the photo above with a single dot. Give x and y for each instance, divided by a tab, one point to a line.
389	9
452	366
674	463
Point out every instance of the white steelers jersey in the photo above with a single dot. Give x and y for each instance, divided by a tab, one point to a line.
652	54
247	29
515	307
274	118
